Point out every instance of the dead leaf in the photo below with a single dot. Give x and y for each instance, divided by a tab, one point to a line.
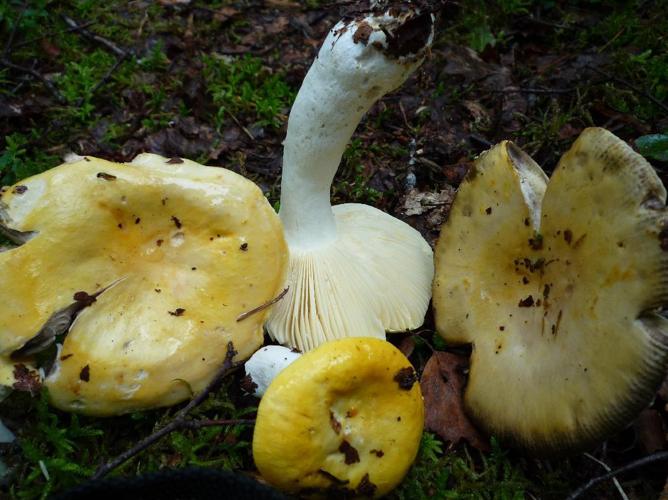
224	13
277	26
187	138
479	114
568	131
50	49
432	206
663	390
407	346
442	386
27	380
417	203
282	4
650	432
513	106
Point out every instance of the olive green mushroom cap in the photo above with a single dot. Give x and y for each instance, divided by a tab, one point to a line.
558	287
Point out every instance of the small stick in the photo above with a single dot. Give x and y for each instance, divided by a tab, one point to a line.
631	86
245	315
179	421
52	34
622	493
524	90
97	38
244	129
105	78
655	457
15	28
198	424
37	75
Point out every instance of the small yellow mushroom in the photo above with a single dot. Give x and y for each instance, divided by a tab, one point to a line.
345	417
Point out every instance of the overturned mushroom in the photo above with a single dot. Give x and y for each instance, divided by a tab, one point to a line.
141	265
345	417
557	286
354	270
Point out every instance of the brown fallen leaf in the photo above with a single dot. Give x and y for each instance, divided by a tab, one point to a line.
431	207
27	380
442	386
650	431
224	13
407	346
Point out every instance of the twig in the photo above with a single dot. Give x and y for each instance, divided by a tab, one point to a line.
15	28
121	53
37	75
105	78
97	38
30	71
550	24
179	421
255	52
521	90
245	130
198	424
613	78
622	493
611	41
655	457
142	23
52	34
245	315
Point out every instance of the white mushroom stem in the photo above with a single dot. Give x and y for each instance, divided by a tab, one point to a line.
266	364
354	270
352	71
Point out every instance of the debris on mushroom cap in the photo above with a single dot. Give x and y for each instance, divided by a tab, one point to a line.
265	364
558	288
354	270
162	329
346	417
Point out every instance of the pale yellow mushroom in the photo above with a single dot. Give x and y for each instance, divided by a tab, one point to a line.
558	287
178	251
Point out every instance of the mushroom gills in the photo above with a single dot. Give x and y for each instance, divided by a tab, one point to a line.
558	287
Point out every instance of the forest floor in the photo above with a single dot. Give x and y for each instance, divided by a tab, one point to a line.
214	81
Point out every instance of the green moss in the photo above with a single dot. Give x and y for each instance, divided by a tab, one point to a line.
19	160
67	448
456	474
244	85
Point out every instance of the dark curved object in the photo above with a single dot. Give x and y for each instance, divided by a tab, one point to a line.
174	484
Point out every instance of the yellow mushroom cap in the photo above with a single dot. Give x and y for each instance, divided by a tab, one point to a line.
557	286
184	249
346	416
